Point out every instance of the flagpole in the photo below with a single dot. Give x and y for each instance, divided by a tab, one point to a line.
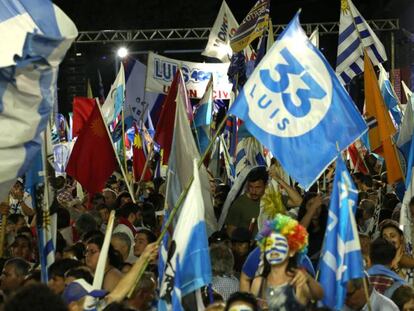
116	154
101	264
144	171
3	232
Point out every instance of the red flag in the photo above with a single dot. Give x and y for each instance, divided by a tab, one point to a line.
139	158
357	160
82	109
165	126
92	160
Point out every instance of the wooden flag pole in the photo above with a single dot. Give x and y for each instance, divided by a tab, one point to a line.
116	154
103	256
3	232
144	170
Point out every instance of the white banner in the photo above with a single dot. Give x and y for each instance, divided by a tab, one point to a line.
161	71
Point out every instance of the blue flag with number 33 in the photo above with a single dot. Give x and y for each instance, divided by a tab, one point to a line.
294	104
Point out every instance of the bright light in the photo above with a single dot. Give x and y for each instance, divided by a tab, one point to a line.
122	52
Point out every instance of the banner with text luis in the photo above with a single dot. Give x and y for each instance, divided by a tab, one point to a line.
161	71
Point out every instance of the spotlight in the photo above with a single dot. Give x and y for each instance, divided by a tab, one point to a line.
122	52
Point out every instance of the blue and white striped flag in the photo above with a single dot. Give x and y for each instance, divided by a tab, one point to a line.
189	242
249	153
203	117
341	258
355	35
390	98
294	105
114	102
34	36
42	198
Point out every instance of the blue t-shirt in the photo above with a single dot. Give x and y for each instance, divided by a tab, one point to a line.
253	260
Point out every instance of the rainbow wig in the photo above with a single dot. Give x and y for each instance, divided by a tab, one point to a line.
295	234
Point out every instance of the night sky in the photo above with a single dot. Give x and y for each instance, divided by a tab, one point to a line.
158	14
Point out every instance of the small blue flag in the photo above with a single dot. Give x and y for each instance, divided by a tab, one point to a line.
341	258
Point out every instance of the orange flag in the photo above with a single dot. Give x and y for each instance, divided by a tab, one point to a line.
380	136
93	159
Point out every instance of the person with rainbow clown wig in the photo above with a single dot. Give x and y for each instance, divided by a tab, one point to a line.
280	285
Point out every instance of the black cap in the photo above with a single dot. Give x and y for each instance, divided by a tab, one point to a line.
241	235
217	237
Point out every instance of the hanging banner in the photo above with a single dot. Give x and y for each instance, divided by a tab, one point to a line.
161	71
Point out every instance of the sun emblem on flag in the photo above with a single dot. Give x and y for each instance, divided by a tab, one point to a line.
344	6
137	141
46	220
97	128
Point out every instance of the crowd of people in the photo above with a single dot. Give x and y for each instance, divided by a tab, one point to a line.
265	257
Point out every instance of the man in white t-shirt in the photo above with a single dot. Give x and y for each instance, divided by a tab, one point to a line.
20	201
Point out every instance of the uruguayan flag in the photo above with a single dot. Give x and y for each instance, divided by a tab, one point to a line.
34	36
249	153
294	105
341	255
203	117
355	35
388	93
189	242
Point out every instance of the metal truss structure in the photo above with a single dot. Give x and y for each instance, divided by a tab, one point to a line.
181	34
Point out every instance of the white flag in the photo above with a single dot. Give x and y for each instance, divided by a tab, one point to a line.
224	27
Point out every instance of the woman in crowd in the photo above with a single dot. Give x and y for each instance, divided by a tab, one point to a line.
111	274
404	262
281	286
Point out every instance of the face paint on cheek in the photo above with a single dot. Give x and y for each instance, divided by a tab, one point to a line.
277	249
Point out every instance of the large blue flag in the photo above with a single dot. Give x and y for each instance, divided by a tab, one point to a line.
34	36
341	258
294	104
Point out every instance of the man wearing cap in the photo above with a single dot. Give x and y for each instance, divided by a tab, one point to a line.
80	292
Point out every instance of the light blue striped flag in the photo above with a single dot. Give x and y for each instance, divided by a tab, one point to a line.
203	117
114	103
249	153
390	98
341	258
46	224
355	35
190	244
34	36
